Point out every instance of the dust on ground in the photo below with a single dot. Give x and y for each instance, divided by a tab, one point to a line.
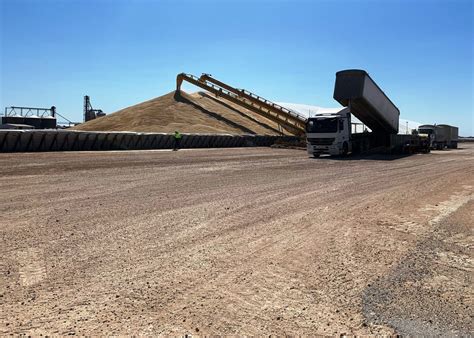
247	241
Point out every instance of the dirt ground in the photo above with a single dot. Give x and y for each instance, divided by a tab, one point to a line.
252	241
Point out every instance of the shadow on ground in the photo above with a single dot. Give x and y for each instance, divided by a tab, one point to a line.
375	157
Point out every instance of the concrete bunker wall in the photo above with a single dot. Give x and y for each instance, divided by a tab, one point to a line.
60	140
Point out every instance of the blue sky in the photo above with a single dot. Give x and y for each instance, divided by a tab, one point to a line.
124	52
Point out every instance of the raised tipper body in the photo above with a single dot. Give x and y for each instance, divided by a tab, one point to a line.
355	88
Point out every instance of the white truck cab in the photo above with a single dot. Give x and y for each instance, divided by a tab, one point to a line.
329	133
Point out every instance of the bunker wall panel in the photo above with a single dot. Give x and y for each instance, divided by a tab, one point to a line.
42	142
95	142
62	141
54	141
136	139
113	145
16	141
101	140
3	140
26	146
39	140
73	141
158	142
10	139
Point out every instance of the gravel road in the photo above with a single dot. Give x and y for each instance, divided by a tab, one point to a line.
236	241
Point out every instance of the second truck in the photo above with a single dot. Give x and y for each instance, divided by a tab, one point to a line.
440	135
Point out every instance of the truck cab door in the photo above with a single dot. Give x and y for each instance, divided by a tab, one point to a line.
343	129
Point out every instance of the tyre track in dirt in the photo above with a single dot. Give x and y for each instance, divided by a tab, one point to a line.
234	241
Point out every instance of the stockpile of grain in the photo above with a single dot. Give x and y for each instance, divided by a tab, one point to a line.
187	113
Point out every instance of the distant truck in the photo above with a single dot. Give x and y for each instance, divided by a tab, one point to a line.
440	136
332	133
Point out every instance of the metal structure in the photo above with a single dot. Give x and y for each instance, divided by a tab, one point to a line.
30	117
67	121
89	112
288	119
30	111
33	117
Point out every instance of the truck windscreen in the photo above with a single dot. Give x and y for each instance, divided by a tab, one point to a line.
324	125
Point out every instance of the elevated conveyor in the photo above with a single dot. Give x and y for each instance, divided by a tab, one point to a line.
290	120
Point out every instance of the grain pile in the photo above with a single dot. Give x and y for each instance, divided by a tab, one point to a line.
188	113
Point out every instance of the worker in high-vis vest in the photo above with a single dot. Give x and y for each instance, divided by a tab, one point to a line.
177	139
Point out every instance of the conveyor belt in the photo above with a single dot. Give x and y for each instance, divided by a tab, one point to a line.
291	121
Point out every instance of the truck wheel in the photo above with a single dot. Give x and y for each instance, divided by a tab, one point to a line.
316	155
345	149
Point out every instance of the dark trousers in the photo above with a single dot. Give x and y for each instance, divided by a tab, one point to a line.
177	142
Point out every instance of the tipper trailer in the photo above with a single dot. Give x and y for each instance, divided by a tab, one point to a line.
332	133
